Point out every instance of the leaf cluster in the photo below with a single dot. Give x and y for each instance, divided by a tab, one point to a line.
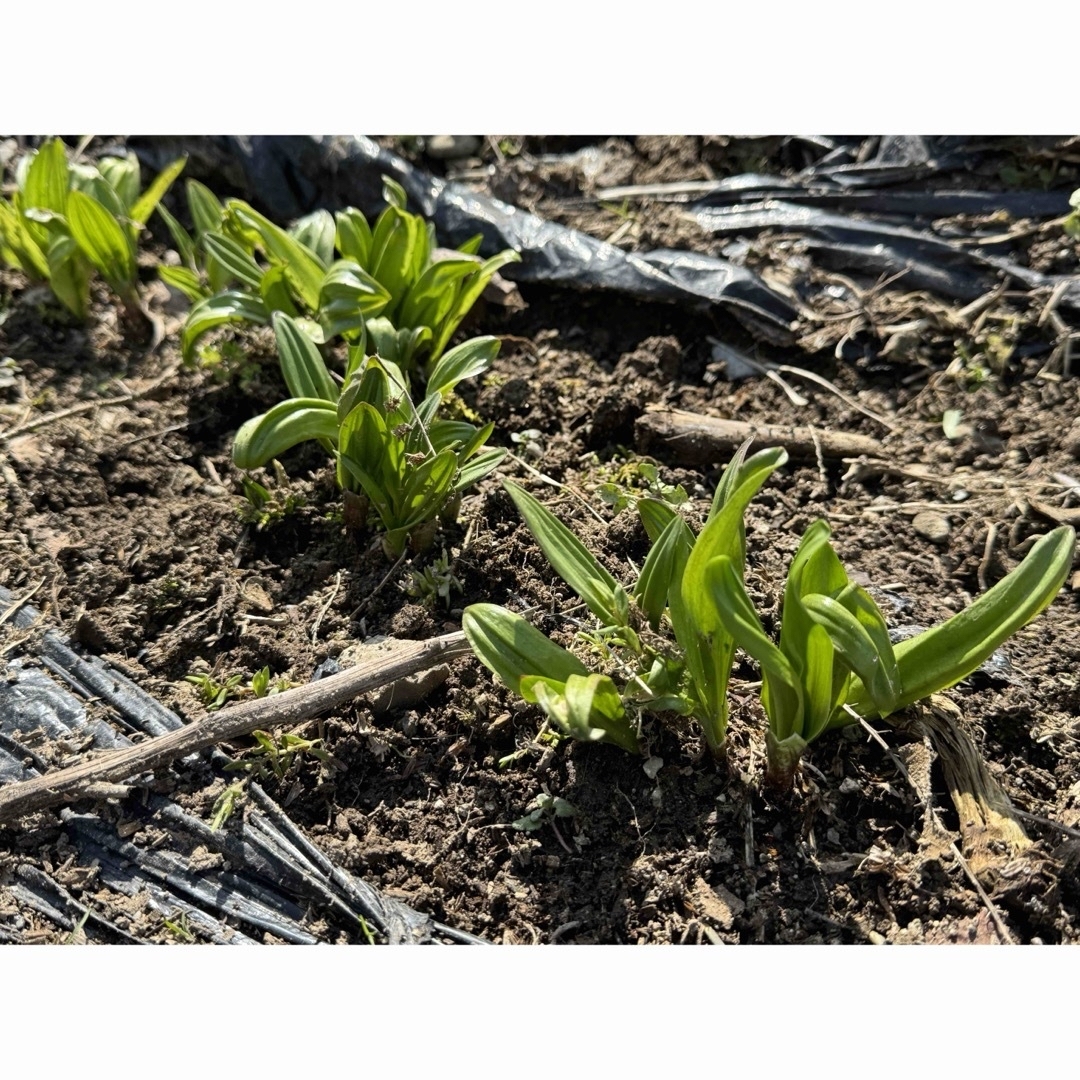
336	274
67	220
406	461
834	661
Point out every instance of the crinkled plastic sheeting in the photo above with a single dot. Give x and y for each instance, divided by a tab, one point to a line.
274	872
293	175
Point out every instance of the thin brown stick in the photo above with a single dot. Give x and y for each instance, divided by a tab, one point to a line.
288	708
88	406
695	439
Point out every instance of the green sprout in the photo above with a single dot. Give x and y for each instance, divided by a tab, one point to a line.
435	582
214	694
410	465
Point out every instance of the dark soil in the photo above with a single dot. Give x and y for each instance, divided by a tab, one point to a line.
130	515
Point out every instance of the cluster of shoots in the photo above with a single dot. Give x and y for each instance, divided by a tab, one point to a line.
669	640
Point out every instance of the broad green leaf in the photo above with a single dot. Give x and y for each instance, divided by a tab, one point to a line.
662	571
513	648
316	232
28	254
477	467
286	425
207	212
655	516
878	672
123	176
393	193
724	534
69	275
783	693
147	202
185	280
236	262
432	296
216	310
274	290
302	365
102	241
586	707
353	236
569	558
471	289
46	186
426	489
466	361
348	296
303	269
943	655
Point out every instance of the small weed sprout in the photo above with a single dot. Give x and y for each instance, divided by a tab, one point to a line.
180	928
435	582
263	686
214	694
541	810
225	805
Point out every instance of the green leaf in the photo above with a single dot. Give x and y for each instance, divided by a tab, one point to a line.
478	467
724	533
302	365
783	696
303	269
69	275
943	655
185	280
29	255
102	241
123	176
207	213
466	361
655	516
286	425
470	292
216	310
585	707
852	639
234	260
570	559
348	296
147	202
663	567
316	232
185	245
513	648
47	182
353	236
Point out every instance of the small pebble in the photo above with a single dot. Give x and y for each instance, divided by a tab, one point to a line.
932	525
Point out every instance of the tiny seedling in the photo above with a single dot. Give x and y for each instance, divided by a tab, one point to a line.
180	928
263	686
263	507
434	583
625	488
541	810
214	694
225	805
276	755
